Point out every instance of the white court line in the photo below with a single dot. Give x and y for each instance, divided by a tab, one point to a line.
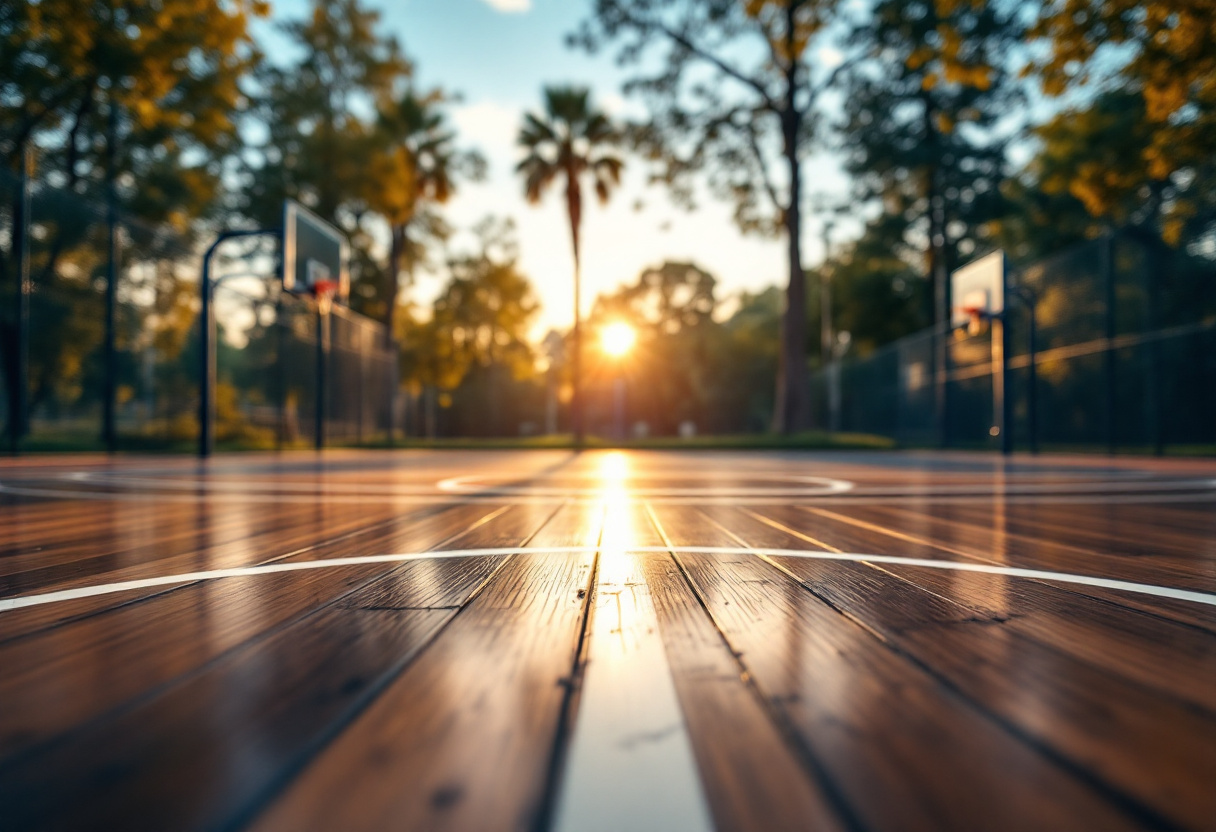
819	486
630	763
23	601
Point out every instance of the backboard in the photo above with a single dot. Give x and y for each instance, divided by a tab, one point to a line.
978	287
313	252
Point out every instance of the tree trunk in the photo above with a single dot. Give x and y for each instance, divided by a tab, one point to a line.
792	412
392	286
574	206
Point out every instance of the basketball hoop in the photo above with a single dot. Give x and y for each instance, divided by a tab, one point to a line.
324	291
976	318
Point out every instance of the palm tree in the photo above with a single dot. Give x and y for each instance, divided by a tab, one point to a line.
568	140
417	172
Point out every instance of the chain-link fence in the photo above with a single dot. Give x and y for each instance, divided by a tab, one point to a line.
1112	345
63	383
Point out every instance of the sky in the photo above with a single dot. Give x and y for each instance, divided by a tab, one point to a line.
497	55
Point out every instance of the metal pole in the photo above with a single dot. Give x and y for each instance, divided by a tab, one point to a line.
393	390
206	317
1032	381
1108	277
1006	400
110	355
207	369
280	387
1154	410
319	406
825	302
18	418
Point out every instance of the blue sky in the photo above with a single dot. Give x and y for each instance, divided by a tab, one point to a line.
497	55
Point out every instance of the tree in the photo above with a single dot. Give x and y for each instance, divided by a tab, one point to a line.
480	320
1154	65
415	171
171	71
923	102
672	365
734	95
317	114
142	96
878	295
570	140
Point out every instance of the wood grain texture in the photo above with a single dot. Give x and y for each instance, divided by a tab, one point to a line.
1150	650
163	764
867	714
1135	743
139	647
443	693
462	740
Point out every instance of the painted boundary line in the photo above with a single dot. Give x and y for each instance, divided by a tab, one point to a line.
23	601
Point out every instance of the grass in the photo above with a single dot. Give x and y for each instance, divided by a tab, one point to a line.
78	442
811	440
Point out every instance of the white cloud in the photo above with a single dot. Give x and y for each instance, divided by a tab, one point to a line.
510	6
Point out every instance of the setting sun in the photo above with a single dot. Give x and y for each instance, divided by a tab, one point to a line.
617	339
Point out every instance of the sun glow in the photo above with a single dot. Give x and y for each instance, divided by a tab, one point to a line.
617	339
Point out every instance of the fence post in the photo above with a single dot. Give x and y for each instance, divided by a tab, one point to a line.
280	374
1152	275
1000	342
1032	379
110	354
18	416
319	408
1108	282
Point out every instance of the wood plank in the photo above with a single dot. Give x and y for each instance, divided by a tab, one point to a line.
369	538
1137	742
754	779
629	761
205	752
73	673
464	739
211	540
868	715
1145	648
1124	529
1036	552
991	547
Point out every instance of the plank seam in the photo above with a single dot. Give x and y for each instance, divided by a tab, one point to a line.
421	515
785	727
1120	799
289	772
155	691
568	714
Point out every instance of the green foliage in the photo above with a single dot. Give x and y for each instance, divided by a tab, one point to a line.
319	135
413	172
570	140
921	132
1171	61
480	319
1139	151
877	296
731	90
686	365
171	71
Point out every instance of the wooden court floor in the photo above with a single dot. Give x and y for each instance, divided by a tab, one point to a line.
607	641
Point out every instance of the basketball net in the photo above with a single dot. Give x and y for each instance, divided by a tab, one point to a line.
976	320
324	291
